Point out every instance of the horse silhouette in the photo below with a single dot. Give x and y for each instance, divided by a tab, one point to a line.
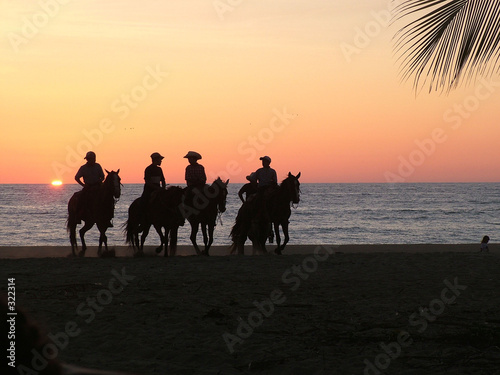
163	212
99	211
256	217
202	210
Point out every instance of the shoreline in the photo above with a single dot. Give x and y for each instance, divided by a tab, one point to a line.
22	252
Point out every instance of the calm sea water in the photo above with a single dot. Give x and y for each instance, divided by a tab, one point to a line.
33	215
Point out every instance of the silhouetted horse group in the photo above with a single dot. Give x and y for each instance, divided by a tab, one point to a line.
258	215
167	209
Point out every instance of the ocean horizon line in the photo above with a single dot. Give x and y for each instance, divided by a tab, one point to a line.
302	183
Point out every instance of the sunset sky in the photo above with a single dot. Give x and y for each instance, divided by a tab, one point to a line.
313	84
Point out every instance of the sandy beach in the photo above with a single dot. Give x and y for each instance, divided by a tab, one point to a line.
363	309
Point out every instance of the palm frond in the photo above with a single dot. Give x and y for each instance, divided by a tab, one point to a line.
446	42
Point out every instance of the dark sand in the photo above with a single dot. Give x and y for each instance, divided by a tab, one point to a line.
393	309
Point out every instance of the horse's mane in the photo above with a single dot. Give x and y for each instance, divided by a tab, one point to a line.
217	180
291	176
109	176
286	179
110	173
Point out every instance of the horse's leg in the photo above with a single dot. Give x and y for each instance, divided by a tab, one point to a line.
71	226
211	228
135	239
173	240
192	237
263	240
145	233
72	237
73	222
139	246
158	228
167	231
263	235
205	237
84	230
240	241
255	247
241	245
103	239
278	237
284	226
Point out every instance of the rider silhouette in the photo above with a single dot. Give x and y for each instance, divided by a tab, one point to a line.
249	189
195	177
154	180
195	173
93	176
266	176
267	180
91	172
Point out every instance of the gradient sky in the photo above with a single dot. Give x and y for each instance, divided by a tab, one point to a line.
314	84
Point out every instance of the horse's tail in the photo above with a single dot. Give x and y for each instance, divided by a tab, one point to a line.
128	231
235	230
72	220
131	227
235	234
242	222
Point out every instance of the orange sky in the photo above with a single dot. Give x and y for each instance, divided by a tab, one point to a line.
313	84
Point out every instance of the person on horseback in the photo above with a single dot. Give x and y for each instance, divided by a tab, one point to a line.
91	172
195	172
93	176
267	180
249	189
266	176
154	180
195	177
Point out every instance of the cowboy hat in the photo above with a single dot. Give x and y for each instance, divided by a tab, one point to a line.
156	155
251	177
193	154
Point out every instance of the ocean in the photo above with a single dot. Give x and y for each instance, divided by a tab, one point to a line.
448	213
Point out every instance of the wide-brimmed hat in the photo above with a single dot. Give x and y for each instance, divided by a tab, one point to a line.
90	155
251	177
193	155
156	155
266	158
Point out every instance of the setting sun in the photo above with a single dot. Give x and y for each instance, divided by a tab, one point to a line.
56	183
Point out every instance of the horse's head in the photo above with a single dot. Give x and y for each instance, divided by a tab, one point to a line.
113	183
219	188
291	185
